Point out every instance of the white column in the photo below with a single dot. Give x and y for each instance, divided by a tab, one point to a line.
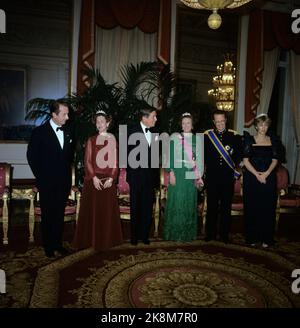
241	72
173	34
75	44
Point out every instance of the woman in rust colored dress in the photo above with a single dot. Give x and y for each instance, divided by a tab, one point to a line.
99	223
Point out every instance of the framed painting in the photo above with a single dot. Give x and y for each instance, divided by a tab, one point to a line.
188	86
12	96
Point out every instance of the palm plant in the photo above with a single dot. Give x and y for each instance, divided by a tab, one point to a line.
146	84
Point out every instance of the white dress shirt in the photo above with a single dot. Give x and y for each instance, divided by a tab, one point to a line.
59	133
147	134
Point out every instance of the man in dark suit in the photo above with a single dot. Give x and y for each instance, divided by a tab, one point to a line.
49	154
141	176
220	175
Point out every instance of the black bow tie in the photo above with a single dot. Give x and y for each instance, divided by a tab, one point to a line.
59	128
146	130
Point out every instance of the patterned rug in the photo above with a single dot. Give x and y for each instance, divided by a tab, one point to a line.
170	275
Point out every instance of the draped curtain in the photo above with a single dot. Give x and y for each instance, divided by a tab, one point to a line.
119	46
295	106
143	14
269	31
269	74
268	78
146	16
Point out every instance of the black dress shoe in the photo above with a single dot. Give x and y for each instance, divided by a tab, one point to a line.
133	242
62	251
146	241
225	240
50	254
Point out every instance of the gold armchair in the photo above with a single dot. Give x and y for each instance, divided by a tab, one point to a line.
123	195
288	194
4	197
71	209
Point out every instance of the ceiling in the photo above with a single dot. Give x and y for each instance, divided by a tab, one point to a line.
273	5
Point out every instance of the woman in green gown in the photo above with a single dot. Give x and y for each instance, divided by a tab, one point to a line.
181	219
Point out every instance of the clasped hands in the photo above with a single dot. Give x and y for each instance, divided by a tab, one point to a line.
99	185
262	176
199	182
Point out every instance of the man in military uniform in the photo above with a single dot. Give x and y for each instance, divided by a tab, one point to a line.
222	151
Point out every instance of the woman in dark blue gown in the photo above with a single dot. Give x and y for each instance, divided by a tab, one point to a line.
261	155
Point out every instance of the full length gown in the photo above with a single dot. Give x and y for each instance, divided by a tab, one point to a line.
260	199
98	223
181	219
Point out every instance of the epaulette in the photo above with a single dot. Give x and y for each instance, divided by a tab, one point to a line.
233	131
206	132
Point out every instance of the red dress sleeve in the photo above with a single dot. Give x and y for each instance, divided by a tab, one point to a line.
88	161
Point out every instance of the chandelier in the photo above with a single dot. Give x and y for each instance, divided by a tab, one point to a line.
214	21
224	84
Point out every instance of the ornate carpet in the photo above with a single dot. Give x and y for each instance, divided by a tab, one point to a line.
163	274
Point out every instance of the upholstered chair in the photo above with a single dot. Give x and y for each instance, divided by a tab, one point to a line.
123	195
237	205
288	194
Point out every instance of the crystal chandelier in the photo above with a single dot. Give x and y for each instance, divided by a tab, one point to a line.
224	84
214	21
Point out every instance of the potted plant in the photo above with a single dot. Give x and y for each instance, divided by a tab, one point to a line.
144	84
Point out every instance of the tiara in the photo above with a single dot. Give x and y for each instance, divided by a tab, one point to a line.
100	112
261	115
186	114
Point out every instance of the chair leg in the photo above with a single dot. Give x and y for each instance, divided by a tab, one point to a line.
5	221
78	196
277	213
156	214
31	221
204	214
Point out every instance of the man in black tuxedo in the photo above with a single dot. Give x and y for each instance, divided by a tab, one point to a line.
141	177
49	154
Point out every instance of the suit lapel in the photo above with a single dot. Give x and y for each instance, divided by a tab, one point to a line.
149	146
54	136
140	130
66	140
